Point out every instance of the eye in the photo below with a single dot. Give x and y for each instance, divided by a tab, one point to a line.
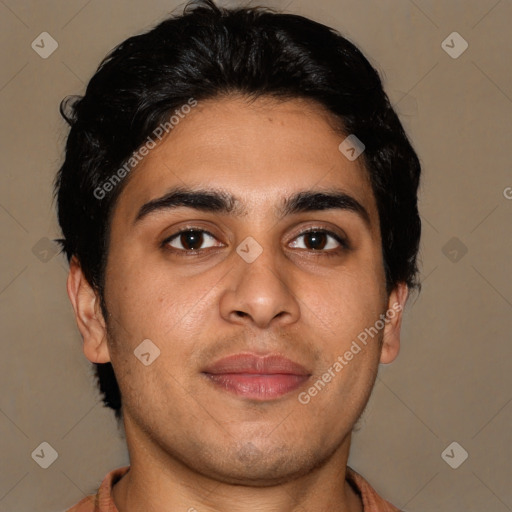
190	240
194	240
319	240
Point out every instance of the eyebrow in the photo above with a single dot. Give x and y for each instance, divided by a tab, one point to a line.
219	201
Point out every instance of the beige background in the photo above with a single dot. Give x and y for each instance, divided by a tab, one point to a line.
452	381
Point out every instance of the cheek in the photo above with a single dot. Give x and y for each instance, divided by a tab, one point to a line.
150	301
347	303
345	313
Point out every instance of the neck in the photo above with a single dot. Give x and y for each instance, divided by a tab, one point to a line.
158	481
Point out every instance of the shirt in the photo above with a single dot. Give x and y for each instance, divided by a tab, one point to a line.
103	502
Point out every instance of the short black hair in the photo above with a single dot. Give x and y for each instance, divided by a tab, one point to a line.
208	52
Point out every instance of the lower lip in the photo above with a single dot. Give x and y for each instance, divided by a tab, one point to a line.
258	386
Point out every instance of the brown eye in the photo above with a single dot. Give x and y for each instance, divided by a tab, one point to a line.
315	240
319	240
190	240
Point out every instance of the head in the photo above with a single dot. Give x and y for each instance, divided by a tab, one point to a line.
231	124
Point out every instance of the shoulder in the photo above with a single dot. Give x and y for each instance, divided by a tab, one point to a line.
85	505
102	501
372	502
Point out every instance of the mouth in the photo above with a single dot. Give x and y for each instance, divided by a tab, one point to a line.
257	377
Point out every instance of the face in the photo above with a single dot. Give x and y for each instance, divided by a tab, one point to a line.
257	309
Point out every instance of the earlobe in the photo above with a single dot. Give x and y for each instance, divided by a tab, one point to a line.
391	337
89	319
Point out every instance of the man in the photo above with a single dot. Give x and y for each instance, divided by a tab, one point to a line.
239	209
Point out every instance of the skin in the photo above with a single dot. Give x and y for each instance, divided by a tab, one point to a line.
191	444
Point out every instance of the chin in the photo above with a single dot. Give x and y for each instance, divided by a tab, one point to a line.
255	467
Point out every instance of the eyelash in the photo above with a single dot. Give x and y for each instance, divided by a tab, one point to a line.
319	252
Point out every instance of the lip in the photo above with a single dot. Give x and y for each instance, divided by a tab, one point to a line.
257	377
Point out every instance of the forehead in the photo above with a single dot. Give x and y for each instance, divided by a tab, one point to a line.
260	152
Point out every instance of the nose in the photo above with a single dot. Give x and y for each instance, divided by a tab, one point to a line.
260	292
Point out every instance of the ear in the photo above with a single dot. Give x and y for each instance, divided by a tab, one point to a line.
89	318
391	337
